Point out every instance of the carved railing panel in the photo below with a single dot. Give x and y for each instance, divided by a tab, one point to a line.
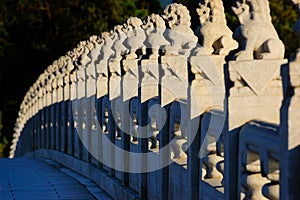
259	161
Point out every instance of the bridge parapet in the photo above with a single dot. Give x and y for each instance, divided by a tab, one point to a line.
147	112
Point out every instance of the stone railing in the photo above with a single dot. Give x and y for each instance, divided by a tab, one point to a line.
147	112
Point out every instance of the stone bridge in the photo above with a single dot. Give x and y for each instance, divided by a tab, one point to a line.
155	110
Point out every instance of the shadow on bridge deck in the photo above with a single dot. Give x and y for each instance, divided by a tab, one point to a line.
25	178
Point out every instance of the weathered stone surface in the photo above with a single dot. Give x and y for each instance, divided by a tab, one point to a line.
257	90
150	79
214	34
174	81
256	34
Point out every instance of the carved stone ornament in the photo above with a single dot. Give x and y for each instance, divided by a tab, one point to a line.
215	36
180	35
256	34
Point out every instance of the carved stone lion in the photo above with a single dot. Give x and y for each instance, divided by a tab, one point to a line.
154	27
135	36
256	34
179	34
214	34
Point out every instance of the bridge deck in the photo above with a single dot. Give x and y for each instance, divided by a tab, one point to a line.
25	178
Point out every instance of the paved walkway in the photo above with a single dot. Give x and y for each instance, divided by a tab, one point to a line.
31	179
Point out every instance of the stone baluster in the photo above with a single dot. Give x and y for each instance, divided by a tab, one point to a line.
31	117
74	108
48	101
153	128
101	64
134	122
58	107
289	131
178	132
213	154
31	120
134	43
258	169
136	180
37	115
119	153
44	108
158	155
26	125
53	91
117	37
257	85
154	27
106	153
64	84
91	90
41	124
103	82
272	189
252	179
81	104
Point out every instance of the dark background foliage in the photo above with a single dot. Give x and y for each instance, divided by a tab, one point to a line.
34	33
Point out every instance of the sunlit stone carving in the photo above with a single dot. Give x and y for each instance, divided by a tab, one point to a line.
178	130
180	35
256	34
135	37
154	27
214	34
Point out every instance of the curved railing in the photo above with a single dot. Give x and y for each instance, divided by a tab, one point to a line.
149	113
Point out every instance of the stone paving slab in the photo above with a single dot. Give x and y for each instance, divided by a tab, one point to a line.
35	179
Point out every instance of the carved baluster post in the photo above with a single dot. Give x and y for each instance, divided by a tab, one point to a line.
178	145
106	157
101	59
154	27
27	126
74	139
64	102
59	117
135	159
102	67
42	110
289	131
87	100
114	87
118	36
53	110
92	123
257	86
92	73
32	119
81	109
48	101
129	90
207	93
208	90
272	190
37	116
258	167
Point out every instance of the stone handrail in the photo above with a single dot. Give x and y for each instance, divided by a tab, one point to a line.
148	113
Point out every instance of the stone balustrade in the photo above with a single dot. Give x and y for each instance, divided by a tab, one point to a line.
147	112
